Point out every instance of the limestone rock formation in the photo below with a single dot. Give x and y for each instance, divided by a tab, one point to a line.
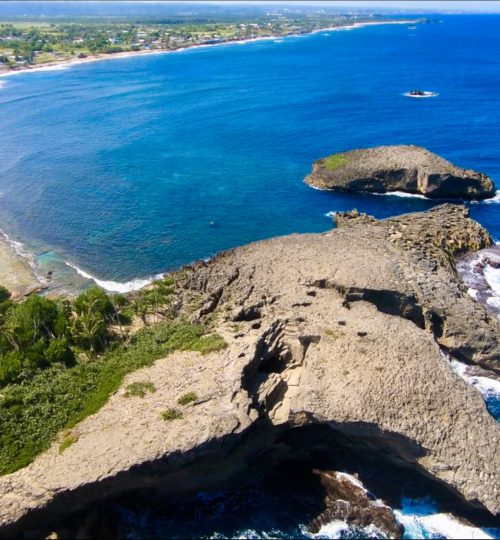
410	169
343	330
347	500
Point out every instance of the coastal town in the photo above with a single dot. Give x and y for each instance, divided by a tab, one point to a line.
27	44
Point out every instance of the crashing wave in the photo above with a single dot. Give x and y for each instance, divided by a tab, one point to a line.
438	526
481	274
402	194
117	286
487	386
494	199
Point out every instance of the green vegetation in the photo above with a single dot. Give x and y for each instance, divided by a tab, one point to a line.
36	42
139	389
60	361
68	440
336	334
188	398
335	161
40	333
171	414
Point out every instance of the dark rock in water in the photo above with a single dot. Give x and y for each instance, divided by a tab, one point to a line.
352	217
410	169
347	500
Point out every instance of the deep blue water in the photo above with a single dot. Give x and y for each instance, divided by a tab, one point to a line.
120	166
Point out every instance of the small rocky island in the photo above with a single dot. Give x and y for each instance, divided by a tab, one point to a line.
407	168
334	341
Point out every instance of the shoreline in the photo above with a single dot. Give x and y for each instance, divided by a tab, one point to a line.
17	268
60	65
18	265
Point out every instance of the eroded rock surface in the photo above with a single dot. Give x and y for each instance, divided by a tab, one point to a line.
347	500
406	168
343	329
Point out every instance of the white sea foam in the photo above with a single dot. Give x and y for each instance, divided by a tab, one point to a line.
472	292
494	302
117	286
404	195
494	199
492	276
352	479
337	529
488	387
333	529
417	526
23	252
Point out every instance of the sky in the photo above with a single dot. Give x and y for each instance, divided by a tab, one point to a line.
480	6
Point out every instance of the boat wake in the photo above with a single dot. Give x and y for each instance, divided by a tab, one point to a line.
116	286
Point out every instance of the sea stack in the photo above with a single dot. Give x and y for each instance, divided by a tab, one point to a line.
407	168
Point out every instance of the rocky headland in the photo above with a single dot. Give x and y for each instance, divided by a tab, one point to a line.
406	168
341	338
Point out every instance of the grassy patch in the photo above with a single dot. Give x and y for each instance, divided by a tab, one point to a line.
335	334
335	161
187	398
34	411
139	389
171	414
68	440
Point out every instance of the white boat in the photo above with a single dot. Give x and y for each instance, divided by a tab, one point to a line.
420	94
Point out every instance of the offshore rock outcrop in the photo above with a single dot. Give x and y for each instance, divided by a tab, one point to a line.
347	500
342	330
406	168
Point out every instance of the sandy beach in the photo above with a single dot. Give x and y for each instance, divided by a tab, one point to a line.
64	64
17	272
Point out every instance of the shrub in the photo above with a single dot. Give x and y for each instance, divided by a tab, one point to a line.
171	414
335	161
68	440
33	411
10	367
4	295
94	300
187	398
60	351
139	389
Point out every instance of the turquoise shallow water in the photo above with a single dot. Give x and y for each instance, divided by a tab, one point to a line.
134	166
126	168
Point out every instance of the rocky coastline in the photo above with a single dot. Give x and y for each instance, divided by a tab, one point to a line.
333	338
405	168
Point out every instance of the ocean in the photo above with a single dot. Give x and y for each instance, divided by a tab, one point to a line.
126	168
